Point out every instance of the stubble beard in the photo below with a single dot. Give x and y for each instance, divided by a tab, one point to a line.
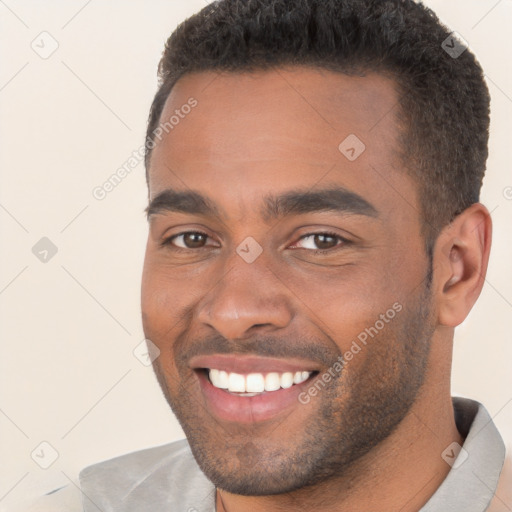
353	414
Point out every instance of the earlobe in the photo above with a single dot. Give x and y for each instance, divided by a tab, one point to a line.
460	260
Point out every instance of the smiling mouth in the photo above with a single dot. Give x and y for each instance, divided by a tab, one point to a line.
253	384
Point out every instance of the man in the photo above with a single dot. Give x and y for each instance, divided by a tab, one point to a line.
314	170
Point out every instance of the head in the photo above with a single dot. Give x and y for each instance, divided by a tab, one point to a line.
313	207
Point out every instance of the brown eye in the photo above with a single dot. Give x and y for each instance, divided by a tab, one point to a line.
321	241
188	240
325	241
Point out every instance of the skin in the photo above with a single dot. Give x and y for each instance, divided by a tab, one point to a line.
373	437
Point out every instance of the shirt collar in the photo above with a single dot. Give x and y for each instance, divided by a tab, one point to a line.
472	481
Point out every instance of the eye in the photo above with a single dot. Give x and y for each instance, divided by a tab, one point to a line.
187	240
321	242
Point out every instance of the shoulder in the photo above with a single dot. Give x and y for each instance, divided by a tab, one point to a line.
67	498
159	479
162	476
172	455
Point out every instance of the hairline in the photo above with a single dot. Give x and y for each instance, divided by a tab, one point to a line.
355	70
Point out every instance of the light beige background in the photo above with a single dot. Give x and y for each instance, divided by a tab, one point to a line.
69	326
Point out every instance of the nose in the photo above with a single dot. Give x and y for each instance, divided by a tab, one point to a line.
248	298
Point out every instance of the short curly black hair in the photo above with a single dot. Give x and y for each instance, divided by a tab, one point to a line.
444	100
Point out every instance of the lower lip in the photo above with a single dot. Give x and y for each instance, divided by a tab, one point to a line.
250	409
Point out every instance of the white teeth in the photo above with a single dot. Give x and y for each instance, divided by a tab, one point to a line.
287	380
219	379
296	377
255	383
300	377
214	377
272	382
236	383
223	379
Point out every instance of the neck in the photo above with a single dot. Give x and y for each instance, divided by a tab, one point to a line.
402	473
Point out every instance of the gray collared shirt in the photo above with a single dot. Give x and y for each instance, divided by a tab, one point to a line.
167	478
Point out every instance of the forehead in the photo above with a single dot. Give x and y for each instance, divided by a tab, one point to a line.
278	129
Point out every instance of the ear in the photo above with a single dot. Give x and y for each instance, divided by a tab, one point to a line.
461	256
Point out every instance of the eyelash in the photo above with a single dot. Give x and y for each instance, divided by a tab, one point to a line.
345	242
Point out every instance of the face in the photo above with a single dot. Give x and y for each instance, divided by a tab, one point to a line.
285	274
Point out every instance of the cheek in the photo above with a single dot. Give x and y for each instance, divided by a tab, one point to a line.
168	295
343	302
162	305
160	300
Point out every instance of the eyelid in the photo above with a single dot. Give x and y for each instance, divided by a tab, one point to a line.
345	241
163	236
169	240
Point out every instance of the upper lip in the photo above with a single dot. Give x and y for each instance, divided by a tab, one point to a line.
251	364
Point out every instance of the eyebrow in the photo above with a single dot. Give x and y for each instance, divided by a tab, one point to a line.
294	202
